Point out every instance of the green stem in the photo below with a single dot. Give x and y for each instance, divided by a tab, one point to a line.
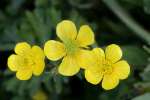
132	24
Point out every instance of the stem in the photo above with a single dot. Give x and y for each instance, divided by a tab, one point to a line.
132	24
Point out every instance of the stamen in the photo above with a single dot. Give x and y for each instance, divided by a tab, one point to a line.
71	46
107	67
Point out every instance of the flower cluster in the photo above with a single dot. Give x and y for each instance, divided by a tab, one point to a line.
74	51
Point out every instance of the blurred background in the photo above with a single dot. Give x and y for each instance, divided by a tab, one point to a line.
123	22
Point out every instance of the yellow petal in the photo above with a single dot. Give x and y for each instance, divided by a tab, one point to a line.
91	60
93	77
99	54
85	58
69	66
85	36
66	30
14	62
38	53
24	74
38	68
110	82
113	53
122	69
54	50
38	59
22	48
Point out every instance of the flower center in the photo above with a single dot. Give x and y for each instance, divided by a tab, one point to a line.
107	67
28	62
71	47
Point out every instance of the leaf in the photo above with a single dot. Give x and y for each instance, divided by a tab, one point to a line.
40	3
132	2
53	16
11	84
147	6
147	49
40	29
6	46
145	96
15	6
145	86
58	84
33	85
146	74
135	55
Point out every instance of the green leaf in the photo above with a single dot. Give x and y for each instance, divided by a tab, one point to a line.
147	49
146	74
54	16
147	6
6	46
40	29
58	84
15	6
135	55
40	3
145	96
145	86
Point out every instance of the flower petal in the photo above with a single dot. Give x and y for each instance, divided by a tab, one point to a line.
54	50
66	30
38	53
39	60
85	36
22	48
85	58
93	77
113	53
38	68
110	82
24	74
14	62
122	69
69	66
99	55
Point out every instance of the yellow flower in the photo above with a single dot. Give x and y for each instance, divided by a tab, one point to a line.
107	67
72	50
40	95
26	61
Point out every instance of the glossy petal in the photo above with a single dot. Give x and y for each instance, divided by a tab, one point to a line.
22	48
38	53
66	30
113	53
93	77
54	50
14	62
122	69
69	66
85	58
99	54
38	68
24	74
110	82
85	36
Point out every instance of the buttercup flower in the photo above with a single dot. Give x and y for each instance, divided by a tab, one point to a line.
72	50
27	61
107	67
